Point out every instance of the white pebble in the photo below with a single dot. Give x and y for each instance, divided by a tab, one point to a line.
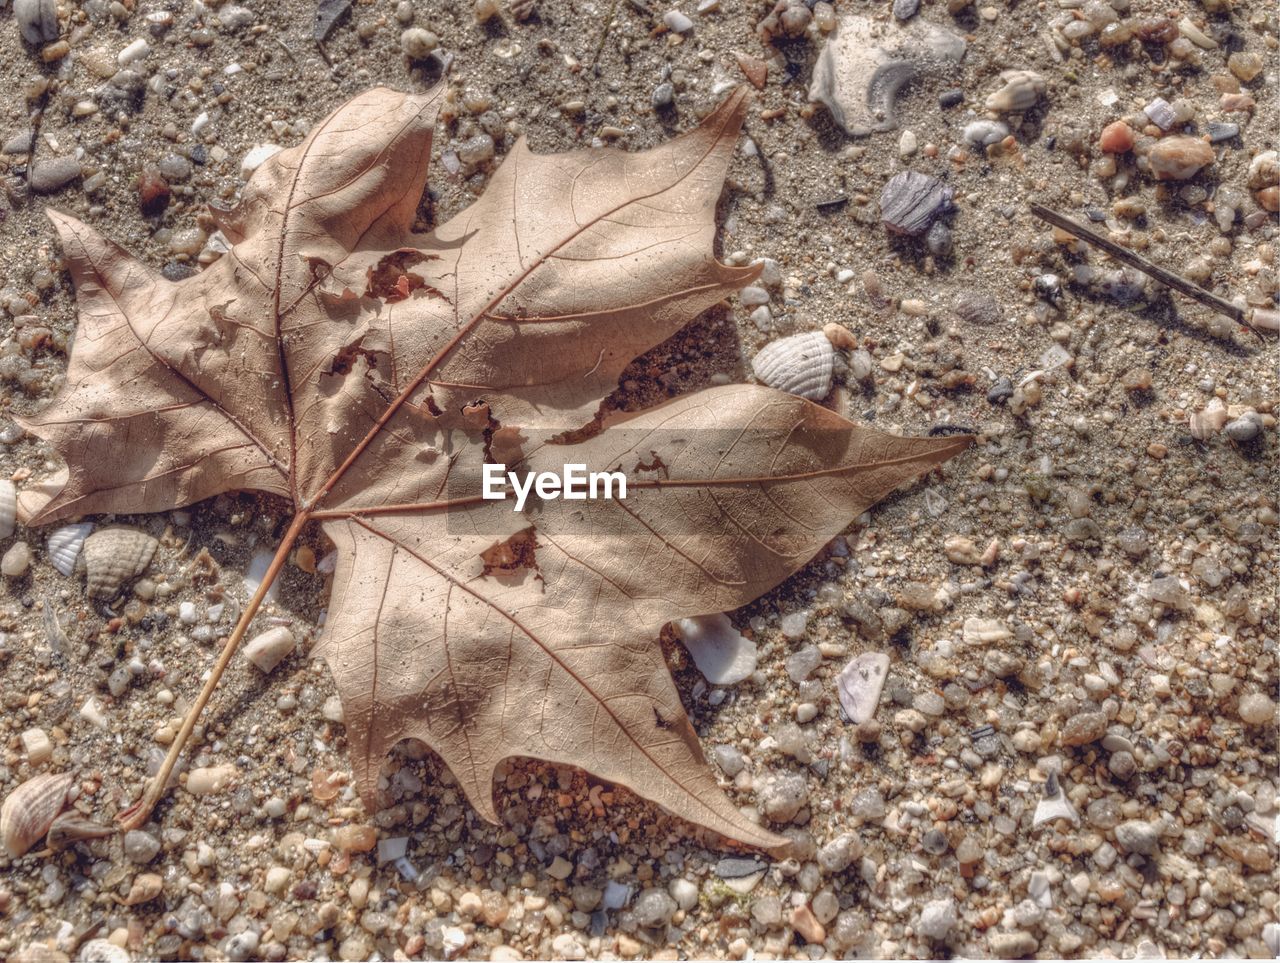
269	649
208	780
677	22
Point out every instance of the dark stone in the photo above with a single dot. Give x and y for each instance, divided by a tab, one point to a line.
736	867
951	98
1000	392
905	9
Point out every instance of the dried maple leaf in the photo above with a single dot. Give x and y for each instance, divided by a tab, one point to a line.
367	373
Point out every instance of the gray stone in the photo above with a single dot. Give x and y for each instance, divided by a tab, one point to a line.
654	907
141	847
936	919
48	176
1138	836
783	795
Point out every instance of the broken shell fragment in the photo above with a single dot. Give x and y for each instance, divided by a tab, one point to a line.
801	365
115	556
1021	90
721	653
860	683
911	200
30	810
864	65
65	544
8	507
1055	806
1207	423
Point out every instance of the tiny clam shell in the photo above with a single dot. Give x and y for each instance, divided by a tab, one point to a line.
801	365
113	556
30	810
65	544
102	951
8	507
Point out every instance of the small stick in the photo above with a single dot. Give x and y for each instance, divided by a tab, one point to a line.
1164	276
136	815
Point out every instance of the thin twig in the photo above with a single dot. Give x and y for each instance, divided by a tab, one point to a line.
137	815
1164	276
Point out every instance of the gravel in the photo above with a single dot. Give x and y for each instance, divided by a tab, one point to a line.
1090	589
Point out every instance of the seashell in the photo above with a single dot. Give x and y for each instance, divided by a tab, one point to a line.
70	828
115	556
1021	90
102	951
911	201
8	507
1205	424
978	307
37	20
864	65
29	810
860	683
65	544
801	365
721	653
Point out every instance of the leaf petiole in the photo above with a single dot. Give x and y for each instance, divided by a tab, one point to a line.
136	815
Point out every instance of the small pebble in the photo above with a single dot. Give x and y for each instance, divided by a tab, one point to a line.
1117	138
16	560
1138	836
140	847
936	919
417	43
664	96
1257	709
1179	158
53	174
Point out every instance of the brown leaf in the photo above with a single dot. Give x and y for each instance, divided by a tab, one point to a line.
367	373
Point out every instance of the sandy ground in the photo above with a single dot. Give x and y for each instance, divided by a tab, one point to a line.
1116	641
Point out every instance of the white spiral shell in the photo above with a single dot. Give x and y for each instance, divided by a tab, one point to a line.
8	507
802	365
30	810
65	544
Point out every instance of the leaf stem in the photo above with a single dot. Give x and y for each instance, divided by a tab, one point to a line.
137	814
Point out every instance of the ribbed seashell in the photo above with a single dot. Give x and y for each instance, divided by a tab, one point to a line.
65	544
800	365
102	951
70	828
8	507
30	810
978	307
114	556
